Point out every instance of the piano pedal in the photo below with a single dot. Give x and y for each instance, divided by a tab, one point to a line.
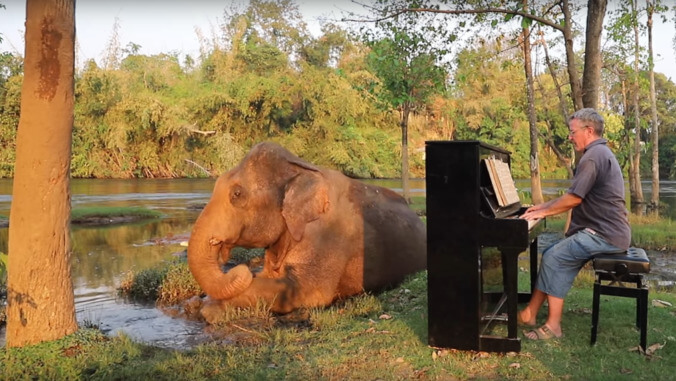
500	317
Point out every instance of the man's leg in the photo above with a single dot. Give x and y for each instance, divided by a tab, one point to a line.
552	327
555	313
530	313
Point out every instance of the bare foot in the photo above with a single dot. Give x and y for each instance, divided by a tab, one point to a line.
524	318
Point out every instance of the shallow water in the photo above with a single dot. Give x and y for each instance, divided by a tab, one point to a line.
102	256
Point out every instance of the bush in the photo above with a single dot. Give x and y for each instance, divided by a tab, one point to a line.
178	285
3	288
145	284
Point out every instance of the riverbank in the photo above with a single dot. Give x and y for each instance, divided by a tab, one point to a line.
98	216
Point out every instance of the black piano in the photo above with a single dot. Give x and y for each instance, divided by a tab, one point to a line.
473	244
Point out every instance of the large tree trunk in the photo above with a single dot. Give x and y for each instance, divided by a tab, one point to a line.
40	293
535	185
596	12
655	197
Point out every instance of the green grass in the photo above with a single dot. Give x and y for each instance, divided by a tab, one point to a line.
104	215
371	337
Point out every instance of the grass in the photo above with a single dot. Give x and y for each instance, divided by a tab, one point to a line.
371	337
103	215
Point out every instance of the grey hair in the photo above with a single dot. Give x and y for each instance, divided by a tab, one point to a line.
591	117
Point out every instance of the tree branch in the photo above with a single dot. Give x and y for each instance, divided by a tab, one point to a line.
193	128
399	12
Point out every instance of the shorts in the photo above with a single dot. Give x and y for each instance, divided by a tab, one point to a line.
563	260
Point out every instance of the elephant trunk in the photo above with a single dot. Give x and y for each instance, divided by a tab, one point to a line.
203	254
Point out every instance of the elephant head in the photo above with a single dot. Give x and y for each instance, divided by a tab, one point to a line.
270	195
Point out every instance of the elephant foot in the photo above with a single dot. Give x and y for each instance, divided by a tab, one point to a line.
191	307
212	310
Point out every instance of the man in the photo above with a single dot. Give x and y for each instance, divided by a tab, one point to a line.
598	224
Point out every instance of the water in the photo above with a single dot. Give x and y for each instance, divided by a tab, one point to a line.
103	256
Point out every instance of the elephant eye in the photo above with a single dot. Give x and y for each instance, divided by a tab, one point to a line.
236	195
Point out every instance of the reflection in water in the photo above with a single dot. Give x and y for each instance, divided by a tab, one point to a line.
103	256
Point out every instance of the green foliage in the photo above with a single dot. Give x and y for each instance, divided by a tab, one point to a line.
178	285
3	287
144	285
4	258
96	214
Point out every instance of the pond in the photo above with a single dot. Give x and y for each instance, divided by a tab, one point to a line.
103	256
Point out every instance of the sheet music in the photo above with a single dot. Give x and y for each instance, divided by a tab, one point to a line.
502	180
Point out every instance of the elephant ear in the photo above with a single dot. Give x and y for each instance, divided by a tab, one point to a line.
305	199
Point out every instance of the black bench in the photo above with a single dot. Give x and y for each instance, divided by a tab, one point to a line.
616	270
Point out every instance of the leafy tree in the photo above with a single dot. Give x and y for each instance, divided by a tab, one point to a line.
536	188
11	78
408	66
623	30
40	295
651	8
491	104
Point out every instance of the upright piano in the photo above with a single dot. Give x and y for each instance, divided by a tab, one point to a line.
474	238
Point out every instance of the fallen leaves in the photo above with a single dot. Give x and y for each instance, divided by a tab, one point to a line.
650	351
661	303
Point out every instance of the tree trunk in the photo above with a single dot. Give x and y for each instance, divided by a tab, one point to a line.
655	197
627	139
40	293
406	111
535	185
552	72
573	76
637	197
596	12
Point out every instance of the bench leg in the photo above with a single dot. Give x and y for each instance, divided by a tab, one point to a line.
642	315
595	312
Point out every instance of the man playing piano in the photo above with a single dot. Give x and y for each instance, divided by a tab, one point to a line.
598	223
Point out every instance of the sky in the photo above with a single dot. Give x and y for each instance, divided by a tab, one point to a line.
169	26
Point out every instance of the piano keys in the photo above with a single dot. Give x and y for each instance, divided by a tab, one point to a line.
474	238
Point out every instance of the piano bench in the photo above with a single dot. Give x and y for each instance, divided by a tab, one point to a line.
616	270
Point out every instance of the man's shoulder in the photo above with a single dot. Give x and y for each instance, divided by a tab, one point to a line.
598	148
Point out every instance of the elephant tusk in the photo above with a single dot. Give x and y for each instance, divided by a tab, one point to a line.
215	242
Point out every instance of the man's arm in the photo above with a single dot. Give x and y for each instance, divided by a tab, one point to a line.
558	205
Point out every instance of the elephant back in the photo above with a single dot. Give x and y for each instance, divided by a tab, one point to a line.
395	238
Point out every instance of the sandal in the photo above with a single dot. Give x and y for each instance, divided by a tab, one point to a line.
542	333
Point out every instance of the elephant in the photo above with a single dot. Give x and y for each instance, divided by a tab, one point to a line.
326	236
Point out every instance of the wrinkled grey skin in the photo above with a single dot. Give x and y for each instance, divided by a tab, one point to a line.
326	236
